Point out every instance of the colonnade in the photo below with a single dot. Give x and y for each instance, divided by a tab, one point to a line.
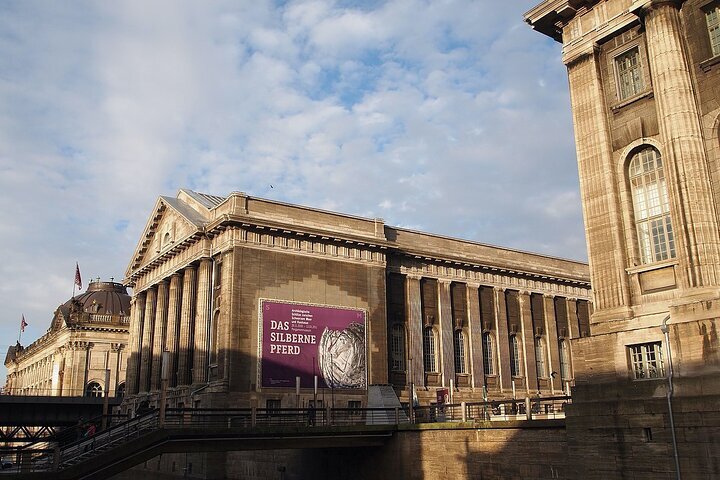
485	329
171	315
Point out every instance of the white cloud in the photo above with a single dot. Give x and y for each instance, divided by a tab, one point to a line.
429	114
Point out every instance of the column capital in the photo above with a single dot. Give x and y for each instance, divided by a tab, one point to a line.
641	7
498	289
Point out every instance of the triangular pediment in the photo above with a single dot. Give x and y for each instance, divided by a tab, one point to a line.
172	221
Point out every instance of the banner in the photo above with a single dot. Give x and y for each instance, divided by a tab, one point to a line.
304	340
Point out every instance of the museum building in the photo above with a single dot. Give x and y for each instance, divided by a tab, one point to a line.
84	347
644	82
248	295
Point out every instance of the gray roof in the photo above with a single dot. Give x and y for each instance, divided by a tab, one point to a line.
208	201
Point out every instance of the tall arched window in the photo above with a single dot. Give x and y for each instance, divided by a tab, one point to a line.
93	389
459	340
397	347
429	360
514	356
540	357
651	206
488	353
564	360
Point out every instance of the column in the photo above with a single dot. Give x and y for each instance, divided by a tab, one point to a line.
226	305
187	318
696	232
528	338
147	338
572	319
159	334
172	339
447	347
474	341
503	347
137	313
202	323
413	311
553	346
598	184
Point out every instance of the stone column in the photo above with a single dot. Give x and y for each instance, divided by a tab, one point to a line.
474	341
116	351
553	346
134	342
598	184
572	319
225	305
159	334
187	320
413	311
147	338
528	339
172	339
503	347
202	323
695	223
447	347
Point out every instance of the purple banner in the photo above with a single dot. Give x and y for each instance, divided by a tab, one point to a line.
302	340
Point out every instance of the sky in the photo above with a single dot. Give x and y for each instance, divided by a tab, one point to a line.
445	116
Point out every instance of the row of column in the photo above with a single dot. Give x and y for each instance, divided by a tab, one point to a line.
530	325
172	315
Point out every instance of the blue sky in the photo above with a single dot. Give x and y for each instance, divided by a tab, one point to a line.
448	116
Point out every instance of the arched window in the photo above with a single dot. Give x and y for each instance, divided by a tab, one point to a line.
488	353
429	360
651	206
93	389
397	347
514	356
540	357
459	340
120	390
564	360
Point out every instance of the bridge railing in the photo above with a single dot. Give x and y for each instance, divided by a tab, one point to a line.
497	410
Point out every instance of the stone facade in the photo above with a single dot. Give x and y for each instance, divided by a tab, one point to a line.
205	262
87	338
645	93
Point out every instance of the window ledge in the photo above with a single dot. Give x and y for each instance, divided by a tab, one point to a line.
708	64
641	96
652	266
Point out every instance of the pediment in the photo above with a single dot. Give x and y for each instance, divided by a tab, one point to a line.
171	222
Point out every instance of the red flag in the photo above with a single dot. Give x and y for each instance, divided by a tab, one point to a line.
78	280
23	324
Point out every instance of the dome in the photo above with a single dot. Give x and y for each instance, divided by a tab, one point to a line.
103	298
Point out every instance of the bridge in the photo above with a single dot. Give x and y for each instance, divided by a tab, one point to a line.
26	418
130	442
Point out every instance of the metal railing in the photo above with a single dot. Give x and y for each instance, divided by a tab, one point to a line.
66	450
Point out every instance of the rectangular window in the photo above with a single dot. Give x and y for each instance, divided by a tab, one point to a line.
646	360
629	74
712	17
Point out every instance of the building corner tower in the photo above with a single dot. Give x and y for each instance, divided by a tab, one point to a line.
645	94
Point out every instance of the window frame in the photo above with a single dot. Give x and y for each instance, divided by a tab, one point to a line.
488	350
430	350
638	89
540	363
397	347
460	351
515	363
713	28
93	389
651	206
646	361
